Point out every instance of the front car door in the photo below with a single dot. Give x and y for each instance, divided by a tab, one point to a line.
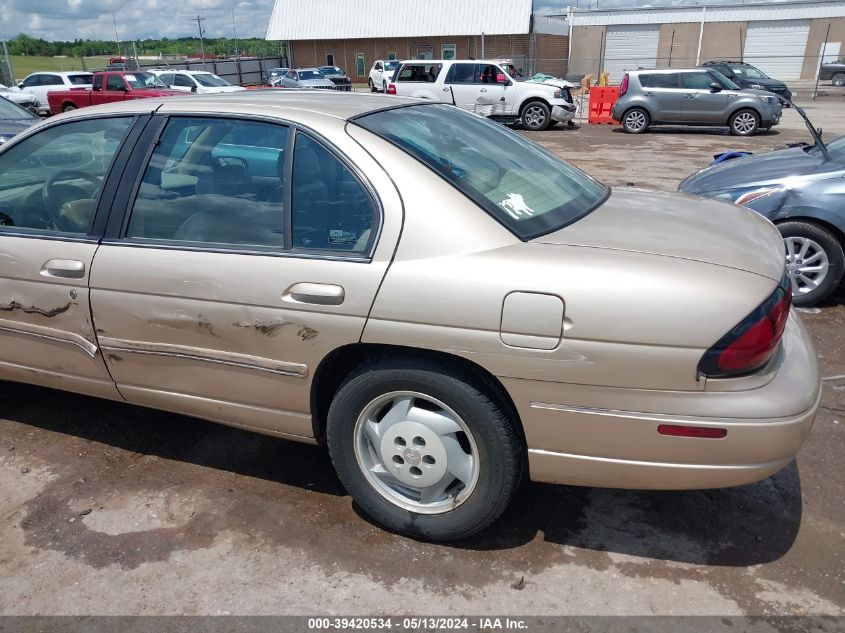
52	208
218	292
703	104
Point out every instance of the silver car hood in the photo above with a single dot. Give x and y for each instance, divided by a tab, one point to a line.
676	225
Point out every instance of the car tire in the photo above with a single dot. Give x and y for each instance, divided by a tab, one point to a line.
744	122
535	116
372	86
823	250
838	79
68	107
487	450
636	121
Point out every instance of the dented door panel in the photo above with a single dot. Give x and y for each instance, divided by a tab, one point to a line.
46	334
219	331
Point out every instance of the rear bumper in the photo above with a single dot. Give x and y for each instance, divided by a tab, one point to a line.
610	438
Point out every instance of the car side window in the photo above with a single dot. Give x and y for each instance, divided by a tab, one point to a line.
50	181
115	82
378	65
660	80
184	81
214	181
696	81
29	82
97	83
332	210
461	74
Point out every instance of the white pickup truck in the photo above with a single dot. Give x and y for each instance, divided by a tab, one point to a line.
487	87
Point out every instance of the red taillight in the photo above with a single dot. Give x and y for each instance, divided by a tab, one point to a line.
391	89
679	430
623	87
750	345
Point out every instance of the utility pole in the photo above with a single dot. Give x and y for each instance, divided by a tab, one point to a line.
116	38
235	32
200	19
11	78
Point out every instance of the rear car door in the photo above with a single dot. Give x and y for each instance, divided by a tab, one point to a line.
664	93
701	103
219	291
55	190
462	85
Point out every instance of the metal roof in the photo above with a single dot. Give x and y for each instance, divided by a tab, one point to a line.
353	19
712	13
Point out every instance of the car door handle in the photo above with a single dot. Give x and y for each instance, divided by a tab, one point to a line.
648	94
483	90
446	89
690	96
63	268
319	294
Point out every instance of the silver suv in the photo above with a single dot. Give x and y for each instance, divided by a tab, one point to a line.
692	96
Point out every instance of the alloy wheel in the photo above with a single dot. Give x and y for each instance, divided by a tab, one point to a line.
744	123
807	264
416	452
534	117
635	121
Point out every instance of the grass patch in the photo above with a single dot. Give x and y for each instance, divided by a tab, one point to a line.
23	65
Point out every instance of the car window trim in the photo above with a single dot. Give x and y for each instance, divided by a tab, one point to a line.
109	185
115	233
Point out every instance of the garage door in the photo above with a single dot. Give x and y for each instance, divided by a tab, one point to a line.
777	47
628	47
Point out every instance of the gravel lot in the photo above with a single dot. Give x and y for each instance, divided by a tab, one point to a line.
113	509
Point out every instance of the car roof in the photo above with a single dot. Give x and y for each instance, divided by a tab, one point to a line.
61	73
283	104
665	71
179	71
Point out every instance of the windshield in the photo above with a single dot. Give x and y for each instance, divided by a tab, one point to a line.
835	148
80	80
391	65
143	80
726	83
12	112
524	187
210	80
749	72
332	70
514	73
304	75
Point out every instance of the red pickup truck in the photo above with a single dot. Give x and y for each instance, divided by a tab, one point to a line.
110	86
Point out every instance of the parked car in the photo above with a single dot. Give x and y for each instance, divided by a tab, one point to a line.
39	84
381	74
692	96
306	78
800	190
490	88
108	87
23	99
197	81
274	76
443	302
834	72
337	76
13	120
748	76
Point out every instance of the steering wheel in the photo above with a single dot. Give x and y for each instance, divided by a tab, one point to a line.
52	194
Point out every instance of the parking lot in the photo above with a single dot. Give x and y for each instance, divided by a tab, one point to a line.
113	509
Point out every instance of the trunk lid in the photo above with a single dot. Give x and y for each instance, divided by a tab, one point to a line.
685	227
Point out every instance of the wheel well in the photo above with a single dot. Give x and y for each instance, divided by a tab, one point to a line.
745	107
637	107
335	367
832	228
531	100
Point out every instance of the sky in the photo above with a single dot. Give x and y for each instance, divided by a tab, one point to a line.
139	19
